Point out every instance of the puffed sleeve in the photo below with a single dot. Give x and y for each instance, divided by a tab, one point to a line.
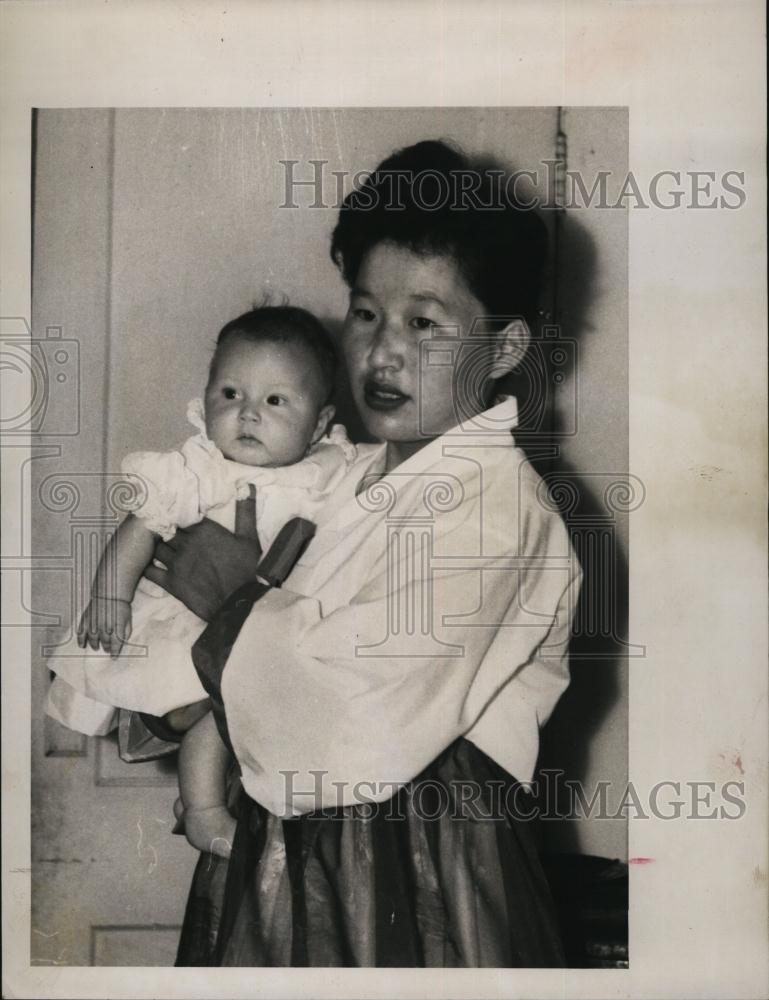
334	709
167	490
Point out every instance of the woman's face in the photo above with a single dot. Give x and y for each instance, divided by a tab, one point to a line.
399	299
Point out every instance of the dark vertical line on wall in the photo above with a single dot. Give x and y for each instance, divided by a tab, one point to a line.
552	319
33	168
559	197
108	299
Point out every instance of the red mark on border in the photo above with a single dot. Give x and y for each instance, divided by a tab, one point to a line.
640	861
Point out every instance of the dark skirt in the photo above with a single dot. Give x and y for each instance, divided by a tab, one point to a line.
445	874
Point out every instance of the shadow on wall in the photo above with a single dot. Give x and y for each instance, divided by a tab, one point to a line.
594	506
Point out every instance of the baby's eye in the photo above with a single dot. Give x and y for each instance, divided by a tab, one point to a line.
275	400
229	393
423	322
366	315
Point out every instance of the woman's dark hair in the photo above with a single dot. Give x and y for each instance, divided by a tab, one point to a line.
287	325
432	198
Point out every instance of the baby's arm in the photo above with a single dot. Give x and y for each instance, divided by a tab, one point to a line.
107	619
203	763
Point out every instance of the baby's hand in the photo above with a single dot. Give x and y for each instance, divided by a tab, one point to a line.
211	829
106	621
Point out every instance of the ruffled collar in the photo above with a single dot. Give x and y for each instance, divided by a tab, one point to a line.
196	415
314	472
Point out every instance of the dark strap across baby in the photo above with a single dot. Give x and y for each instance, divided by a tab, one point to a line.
211	651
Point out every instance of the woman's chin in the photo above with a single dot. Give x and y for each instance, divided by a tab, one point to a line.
388	425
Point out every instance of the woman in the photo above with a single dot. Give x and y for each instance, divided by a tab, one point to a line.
384	707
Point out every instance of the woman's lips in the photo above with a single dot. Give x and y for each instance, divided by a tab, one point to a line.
381	396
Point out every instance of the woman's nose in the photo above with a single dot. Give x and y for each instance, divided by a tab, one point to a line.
386	349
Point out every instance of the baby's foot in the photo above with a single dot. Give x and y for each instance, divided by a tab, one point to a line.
211	829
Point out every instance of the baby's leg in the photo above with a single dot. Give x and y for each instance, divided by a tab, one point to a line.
182	719
203	762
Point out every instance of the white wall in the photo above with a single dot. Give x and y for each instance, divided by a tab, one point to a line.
198	232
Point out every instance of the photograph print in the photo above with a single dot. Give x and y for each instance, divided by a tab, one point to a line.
329	493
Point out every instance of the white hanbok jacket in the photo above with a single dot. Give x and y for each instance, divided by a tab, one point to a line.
434	602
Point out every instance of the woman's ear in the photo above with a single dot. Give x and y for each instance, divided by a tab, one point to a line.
511	344
325	417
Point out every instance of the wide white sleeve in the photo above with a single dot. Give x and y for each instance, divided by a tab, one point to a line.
335	709
508	727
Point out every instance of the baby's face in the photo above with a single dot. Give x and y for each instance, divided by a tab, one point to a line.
264	402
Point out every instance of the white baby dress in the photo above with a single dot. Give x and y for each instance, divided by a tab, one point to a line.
154	672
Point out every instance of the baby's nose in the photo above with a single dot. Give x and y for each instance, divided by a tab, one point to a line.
249	411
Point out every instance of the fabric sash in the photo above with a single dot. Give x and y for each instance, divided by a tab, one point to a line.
213	647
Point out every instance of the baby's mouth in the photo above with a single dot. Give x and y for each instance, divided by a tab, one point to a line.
248	439
383	396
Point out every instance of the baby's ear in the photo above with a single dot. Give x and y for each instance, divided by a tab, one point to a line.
325	417
511	345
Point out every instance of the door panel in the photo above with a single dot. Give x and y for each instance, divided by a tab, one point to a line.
109	881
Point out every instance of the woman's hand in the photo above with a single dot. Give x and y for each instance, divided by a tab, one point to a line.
205	563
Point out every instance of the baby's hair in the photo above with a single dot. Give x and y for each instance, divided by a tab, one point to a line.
285	324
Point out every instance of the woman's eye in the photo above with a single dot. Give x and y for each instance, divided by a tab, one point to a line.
229	393
275	400
423	323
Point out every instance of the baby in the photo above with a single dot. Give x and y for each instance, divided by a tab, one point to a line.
263	431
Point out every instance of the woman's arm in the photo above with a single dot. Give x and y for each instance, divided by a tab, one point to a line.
318	703
319	715
107	619
336	708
